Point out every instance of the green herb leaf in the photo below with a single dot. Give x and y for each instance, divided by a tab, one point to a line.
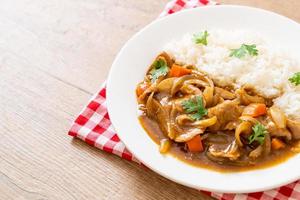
201	38
195	108
259	134
160	68
243	50
295	79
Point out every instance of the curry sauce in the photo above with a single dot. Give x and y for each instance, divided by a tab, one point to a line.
200	160
223	128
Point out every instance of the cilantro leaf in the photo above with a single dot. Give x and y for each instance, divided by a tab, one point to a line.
198	115
195	108
259	134
243	50
295	79
160	68
201	38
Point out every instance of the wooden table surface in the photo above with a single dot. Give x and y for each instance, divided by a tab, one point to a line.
54	56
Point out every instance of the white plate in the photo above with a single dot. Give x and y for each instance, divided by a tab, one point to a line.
129	69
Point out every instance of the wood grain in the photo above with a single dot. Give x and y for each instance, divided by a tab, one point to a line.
54	56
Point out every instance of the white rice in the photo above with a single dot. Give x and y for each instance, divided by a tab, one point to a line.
289	102
268	72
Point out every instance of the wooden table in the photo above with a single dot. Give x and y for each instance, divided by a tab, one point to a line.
54	56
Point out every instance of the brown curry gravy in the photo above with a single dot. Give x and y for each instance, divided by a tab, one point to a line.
201	160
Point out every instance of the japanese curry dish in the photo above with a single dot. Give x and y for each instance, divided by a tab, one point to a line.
210	122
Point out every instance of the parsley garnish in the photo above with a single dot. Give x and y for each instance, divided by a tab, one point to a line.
160	68
243	50
195	107
295	79
201	38
259	134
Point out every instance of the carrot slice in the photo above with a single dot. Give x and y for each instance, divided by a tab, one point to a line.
255	110
141	88
177	71
195	144
277	144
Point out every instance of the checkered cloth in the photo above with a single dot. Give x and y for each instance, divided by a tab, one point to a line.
94	127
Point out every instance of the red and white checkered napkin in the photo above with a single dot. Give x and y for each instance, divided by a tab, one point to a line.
94	127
